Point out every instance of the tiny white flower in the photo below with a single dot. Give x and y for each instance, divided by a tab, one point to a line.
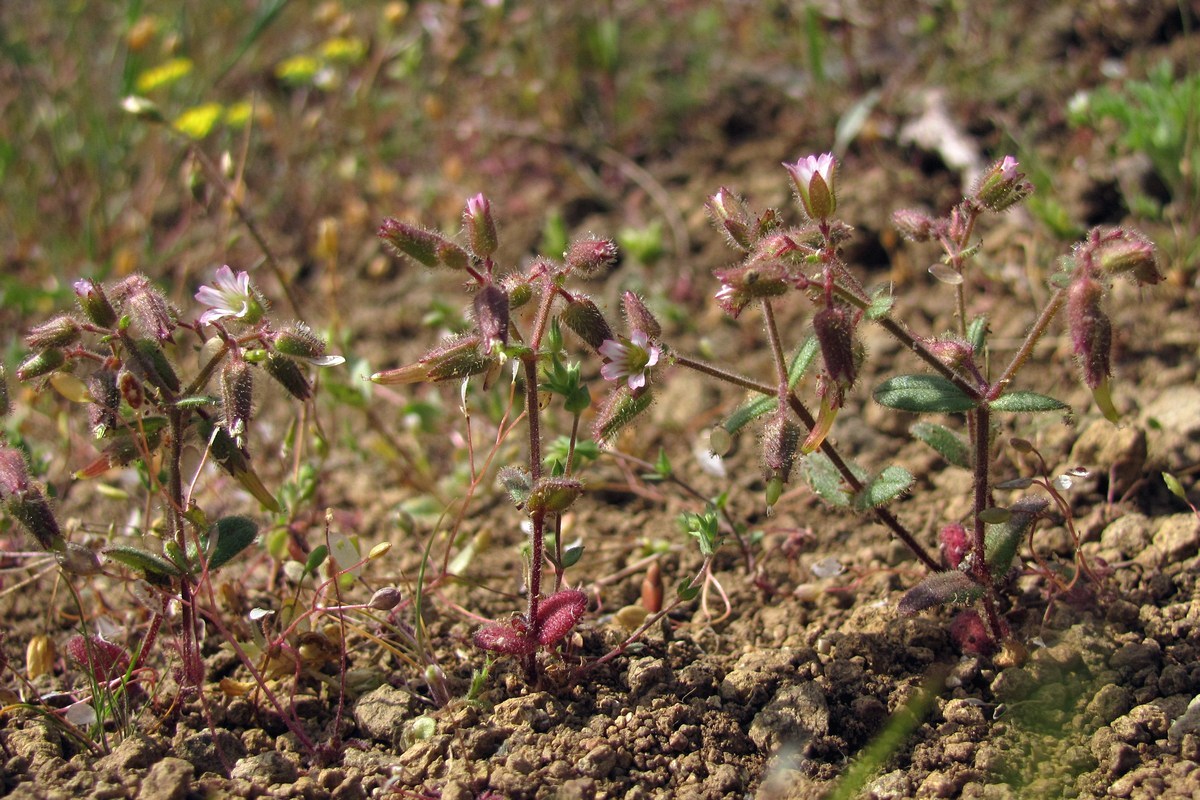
230	296
630	359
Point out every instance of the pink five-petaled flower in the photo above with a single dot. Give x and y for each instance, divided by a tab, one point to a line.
630	359
814	177
230	296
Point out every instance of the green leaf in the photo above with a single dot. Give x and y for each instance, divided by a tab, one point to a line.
884	488
229	537
315	559
1026	403
940	588
749	412
802	361
922	394
881	303
1000	541
824	479
149	564
977	334
571	555
686	592
950	445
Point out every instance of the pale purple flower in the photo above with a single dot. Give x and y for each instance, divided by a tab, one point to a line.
1008	168
630	359
814	178
230	296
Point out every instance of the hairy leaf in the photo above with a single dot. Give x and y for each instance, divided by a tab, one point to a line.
884	488
1026	403
230	535
940	588
824	479
922	394
802	360
745	414
950	445
1001	540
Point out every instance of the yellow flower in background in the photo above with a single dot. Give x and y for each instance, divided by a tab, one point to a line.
164	74
297	69
198	122
238	114
348	50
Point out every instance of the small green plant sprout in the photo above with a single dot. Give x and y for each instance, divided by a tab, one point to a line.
155	382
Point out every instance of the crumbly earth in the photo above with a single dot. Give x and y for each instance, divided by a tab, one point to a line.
780	689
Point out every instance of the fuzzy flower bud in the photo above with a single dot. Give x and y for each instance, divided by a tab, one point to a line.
950	350
94	304
590	256
1002	186
1091	330
584	317
834	327
553	495
780	444
1120	251
731	216
147	306
106	400
913	225
39	364
237	394
815	181
60	331
287	373
620	409
480	227
491	315
743	284
639	316
25	502
298	341
417	243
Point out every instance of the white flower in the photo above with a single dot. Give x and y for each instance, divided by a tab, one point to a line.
230	296
631	359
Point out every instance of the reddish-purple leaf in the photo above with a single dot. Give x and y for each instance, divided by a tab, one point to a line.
558	614
510	638
103	660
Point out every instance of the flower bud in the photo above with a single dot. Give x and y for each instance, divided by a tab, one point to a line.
834	328
1124	252
1002	186
639	316
298	340
480	227
31	508
40	364
491	315
583	317
106	400
94	304
147	306
732	217
417	243
950	350
913	225
553	495
590	256
149	362
287	373
621	408
452	256
14	473
519	291
743	284
1091	330
237	394
780	443
77	559
815	181
457	359
60	331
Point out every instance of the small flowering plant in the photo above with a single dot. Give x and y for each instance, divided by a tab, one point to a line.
120	355
518	316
